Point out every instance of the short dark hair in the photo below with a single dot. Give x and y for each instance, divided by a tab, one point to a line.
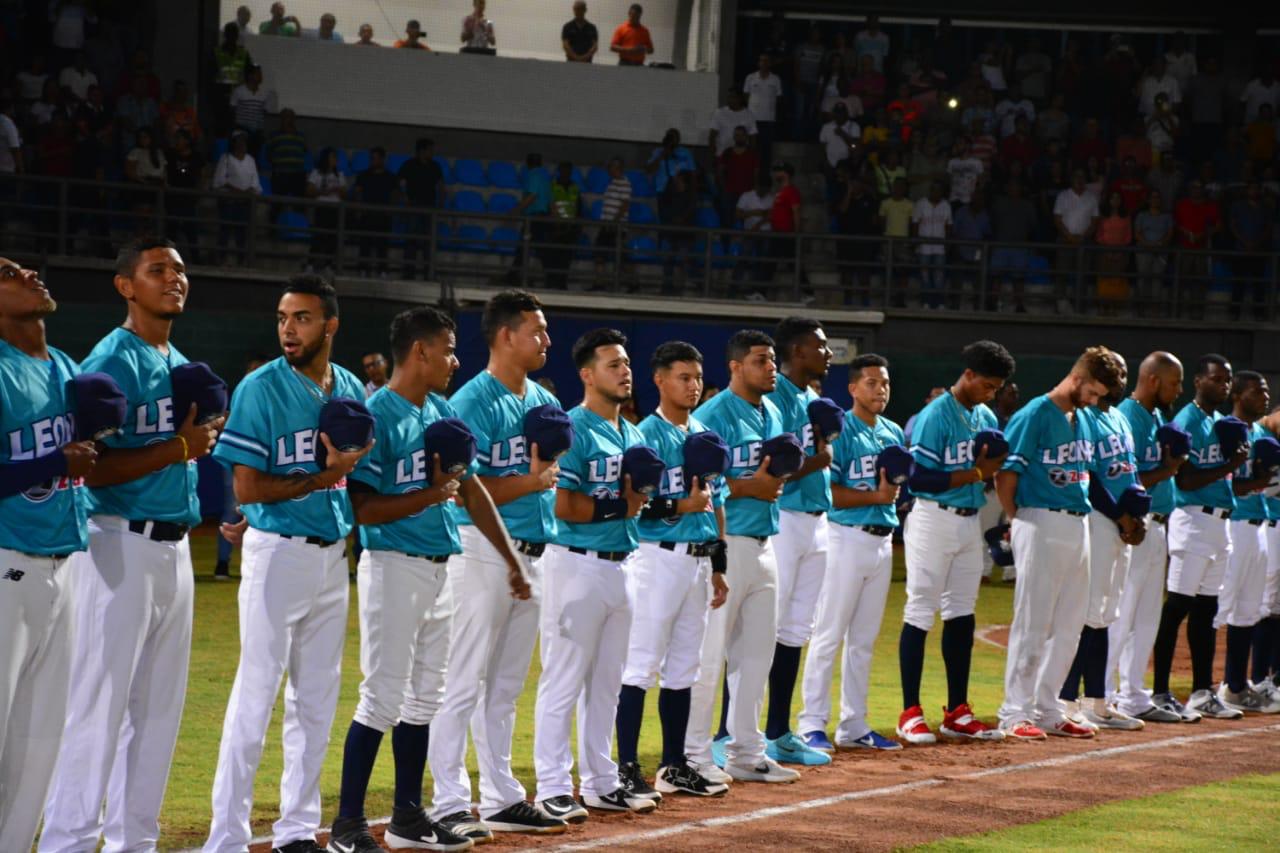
672	351
1208	360
417	324
533	160
790	331
1243	379
988	358
130	253
584	348
424	143
313	285
379	150
503	311
637	7
741	342
867	359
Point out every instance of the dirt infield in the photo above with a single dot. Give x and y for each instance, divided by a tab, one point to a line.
998	635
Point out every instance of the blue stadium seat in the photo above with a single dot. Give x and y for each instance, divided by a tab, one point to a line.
449	177
444	237
471	238
718	260
470	173
360	160
583	252
706	217
641	186
293	227
578	180
264	181
502	202
467	201
220	146
642	214
344	162
597	180
395	161
308	161
643	250
595	210
503	175
506	240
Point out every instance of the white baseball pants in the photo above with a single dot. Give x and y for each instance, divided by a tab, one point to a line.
1133	635
988	517
1244	585
669	592
1108	567
800	547
945	555
1271	592
1199	550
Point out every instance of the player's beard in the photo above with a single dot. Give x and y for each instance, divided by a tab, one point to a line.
306	354
616	397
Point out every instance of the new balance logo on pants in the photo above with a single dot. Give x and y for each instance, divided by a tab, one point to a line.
14	575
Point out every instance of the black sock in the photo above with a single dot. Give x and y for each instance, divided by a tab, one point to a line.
723	731
1070	691
630	717
1237	663
673	711
1095	663
1176	607
911	663
782	684
1275	647
1203	639
358	755
1262	648
957	652
409	746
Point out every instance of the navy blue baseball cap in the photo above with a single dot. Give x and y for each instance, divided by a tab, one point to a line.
1001	553
827	418
100	406
1267	451
549	427
1135	501
785	453
1174	437
194	382
347	423
455	444
705	456
645	468
993	440
897	463
1232	433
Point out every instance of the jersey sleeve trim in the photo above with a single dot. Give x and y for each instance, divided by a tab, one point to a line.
245	443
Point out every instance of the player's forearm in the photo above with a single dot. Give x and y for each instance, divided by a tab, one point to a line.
720	521
372	507
843	497
1190	478
1156	476
816	462
258	487
574	507
1006	489
747	487
484	515
504	490
125	464
1242	487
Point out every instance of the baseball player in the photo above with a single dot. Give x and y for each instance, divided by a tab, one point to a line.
1266	637
401	494
293	587
493	634
134	586
859	565
1240	602
1007	401
1133	633
800	545
586	619
43	521
1043	487
1199	544
1112	530
944	547
680	559
741	634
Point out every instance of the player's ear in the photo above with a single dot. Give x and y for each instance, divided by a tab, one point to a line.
331	326
124	285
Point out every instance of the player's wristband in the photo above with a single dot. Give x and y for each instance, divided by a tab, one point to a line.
17	477
929	481
609	509
186	450
659	508
719	557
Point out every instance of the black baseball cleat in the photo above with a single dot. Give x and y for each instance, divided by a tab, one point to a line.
565	808
413	830
632	778
467	825
620	800
302	845
524	817
683	779
351	835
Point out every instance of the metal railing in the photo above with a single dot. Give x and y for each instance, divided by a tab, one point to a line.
49	216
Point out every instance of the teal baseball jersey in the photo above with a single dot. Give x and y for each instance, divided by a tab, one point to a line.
593	466
142	372
1251	507
1147	450
1115	462
496	416
273	427
668	440
37	419
1051	455
744	427
1206	452
853	465
398	464
811	493
942	439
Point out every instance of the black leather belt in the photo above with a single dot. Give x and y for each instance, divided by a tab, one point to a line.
160	531
759	540
1215	512
816	513
880	530
531	549
311	540
1159	518
962	511
693	549
1257	522
430	558
1271	523
1073	512
607	556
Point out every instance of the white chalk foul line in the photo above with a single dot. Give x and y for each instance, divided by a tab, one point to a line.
983	635
852	796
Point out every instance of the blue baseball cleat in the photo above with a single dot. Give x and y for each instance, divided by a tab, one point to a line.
790	749
818	740
717	751
873	740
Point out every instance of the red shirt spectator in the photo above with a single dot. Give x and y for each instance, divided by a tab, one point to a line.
1195	218
1132	190
1090	144
785	214
1018	147
740	168
983	146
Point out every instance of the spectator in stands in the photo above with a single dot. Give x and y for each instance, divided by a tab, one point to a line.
375	186
928	164
231	60
736	170
236	175
327	30
51	103
631	40
784	216
806	69
55	149
1095	178
178	114
1134	145
140	67
677	207
776	45
1163	128
1207	94
724	120
964	171
366	36
1152	232
869	84
77	78
1130	186
1089	144
1228	161
763	89
895	222
280	24
982	144
137	109
250	103
1019	147
145	163
1158	82
1180	61
477	31
1260	137
566	206
1013	106
184	170
1166	178
840	136
579	37
1033	71
10	141
287	155
100	115
415	38
1196	218
754	207
70	20
995	60
926	82
1075	216
328	186
931	217
872	42
1251	228
667	160
1053	124
980	109
948	53
243	16
536	204
31	81
888	171
422	183
970	89
1115	230
1262	89
614	208
904	114
971	223
1013	220
854	208
374	365
875	136
833	88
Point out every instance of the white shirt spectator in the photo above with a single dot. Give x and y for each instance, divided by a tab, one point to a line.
1151	87
69	20
837	148
723	122
964	173
78	83
330	186
931	220
1181	68
753	210
335	37
237	173
30	86
1077	211
251	107
144	168
1159	132
994	75
1008	111
831	97
1034	71
10	140
1257	93
874	45
762	95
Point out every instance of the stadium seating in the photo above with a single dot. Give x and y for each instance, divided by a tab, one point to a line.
706	217
293	227
467	201
505	240
503	175
597	180
360	160
502	202
445	169
470	172
641	186
642	214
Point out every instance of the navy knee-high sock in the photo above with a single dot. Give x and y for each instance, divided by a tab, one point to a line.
1095	663
358	754
1275	647
782	685
1176	607
723	731
1237	663
629	719
1203	639
1070	691
673	711
957	652
1262	647
409	746
911	663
